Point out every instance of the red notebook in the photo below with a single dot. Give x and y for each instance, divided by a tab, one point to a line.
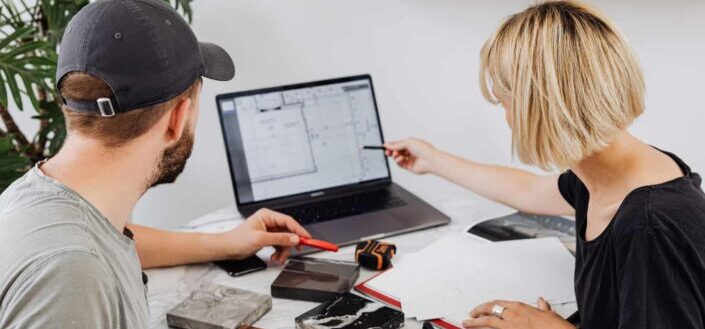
388	300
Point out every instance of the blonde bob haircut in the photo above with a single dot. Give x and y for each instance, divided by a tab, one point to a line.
570	78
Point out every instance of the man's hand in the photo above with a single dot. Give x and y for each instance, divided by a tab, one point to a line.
264	228
516	316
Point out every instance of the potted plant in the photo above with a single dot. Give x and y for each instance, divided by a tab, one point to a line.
30	33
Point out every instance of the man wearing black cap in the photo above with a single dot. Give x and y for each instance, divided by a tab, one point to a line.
129	75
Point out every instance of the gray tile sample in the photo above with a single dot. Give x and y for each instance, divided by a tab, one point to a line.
213	306
350	312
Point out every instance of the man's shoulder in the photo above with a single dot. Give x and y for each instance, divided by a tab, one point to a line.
31	192
48	253
37	221
37	212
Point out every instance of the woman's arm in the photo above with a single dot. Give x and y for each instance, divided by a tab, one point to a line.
658	274
159	248
516	315
516	188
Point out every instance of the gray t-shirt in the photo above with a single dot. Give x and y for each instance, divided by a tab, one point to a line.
62	264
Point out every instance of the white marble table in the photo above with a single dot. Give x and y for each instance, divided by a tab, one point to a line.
169	286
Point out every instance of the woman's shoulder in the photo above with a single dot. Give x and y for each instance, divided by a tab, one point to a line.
675	208
571	188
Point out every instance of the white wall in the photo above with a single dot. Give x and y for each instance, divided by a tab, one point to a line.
423	56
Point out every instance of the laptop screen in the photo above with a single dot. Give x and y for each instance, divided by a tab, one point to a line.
302	138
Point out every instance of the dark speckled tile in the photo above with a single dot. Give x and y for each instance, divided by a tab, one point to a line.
350	312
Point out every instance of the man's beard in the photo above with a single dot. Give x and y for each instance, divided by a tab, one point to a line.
173	161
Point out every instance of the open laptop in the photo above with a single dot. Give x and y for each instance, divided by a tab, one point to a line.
296	149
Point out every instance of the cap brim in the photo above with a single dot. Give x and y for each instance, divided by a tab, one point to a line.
217	64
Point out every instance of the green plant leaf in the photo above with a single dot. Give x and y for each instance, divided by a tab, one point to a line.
3	92
54	132
183	6
23	49
12	164
6	146
16	35
24	61
11	82
41	61
13	16
12	168
58	13
30	93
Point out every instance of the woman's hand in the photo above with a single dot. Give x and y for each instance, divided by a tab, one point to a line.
412	154
264	228
516	316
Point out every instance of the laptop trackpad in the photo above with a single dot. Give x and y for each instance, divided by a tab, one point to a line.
353	229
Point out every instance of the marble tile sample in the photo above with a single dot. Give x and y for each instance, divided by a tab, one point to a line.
350	312
213	306
316	280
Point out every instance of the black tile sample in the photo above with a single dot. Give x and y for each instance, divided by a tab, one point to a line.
316	280
350	312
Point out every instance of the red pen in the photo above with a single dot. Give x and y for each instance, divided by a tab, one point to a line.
320	244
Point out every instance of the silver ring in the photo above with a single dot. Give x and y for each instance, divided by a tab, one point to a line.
497	311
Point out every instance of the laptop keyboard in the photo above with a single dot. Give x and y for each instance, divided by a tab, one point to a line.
343	207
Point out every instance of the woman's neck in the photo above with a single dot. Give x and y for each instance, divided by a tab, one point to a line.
627	163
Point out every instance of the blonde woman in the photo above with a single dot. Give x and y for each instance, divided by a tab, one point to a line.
570	86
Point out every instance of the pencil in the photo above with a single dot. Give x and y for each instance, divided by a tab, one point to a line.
373	147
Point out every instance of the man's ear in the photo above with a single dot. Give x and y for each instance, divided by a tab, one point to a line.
178	118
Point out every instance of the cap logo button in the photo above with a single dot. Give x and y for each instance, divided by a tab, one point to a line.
168	22
118	36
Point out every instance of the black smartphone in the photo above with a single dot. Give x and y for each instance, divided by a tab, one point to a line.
242	267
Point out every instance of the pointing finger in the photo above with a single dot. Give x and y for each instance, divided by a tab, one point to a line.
543	304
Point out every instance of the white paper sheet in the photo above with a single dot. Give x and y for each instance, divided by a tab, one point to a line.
388	282
391	283
457	273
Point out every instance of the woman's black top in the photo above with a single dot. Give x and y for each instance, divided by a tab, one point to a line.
647	269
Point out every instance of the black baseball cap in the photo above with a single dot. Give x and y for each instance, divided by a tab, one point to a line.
143	49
